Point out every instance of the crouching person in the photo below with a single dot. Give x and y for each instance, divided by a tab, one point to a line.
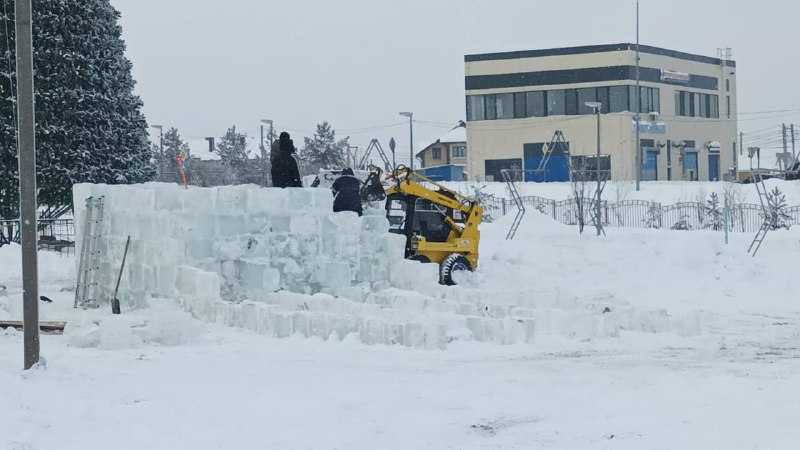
347	193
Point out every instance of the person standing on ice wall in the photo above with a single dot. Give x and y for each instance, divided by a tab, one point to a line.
347	193
284	166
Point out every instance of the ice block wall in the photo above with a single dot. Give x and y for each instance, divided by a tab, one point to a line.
233	242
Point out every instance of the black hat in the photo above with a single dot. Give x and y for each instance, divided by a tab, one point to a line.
284	136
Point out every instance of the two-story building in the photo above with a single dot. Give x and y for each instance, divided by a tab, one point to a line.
446	158
516	101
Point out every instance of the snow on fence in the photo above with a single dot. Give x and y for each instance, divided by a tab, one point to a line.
743	217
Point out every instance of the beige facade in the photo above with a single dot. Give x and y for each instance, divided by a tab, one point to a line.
672	140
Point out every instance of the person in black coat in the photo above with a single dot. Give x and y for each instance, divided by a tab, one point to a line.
347	193
284	166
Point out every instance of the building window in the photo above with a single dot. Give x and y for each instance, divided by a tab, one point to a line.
491	106
655	99
619	99
704	106
535	104
694	104
556	106
571	100
728	105
714	106
505	106
603	98
686	98
475	109
649	100
436	153
727	85
586	95
519	105
459	151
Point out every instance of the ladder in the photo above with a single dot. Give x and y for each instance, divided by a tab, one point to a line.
374	144
766	203
558	141
88	266
512	188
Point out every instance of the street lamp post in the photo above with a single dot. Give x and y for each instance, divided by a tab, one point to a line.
596	106
160	150
411	132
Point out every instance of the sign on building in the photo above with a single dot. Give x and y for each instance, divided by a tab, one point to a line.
672	76
650	127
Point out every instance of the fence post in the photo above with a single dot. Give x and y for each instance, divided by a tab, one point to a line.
554	209
725	209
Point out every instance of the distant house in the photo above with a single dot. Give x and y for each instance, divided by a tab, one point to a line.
446	158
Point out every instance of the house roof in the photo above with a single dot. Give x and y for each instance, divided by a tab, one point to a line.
457	135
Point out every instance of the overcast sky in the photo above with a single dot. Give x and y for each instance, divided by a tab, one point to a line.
204	65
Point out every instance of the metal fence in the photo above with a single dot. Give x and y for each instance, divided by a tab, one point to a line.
745	217
53	234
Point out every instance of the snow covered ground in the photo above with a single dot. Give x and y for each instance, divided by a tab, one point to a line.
706	355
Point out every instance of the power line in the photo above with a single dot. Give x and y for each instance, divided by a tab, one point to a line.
768	112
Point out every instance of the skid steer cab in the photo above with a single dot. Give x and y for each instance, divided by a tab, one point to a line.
440	225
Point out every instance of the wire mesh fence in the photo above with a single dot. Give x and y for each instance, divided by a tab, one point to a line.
743	217
56	235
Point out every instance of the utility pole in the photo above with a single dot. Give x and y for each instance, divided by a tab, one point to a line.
794	152
785	147
598	218
26	154
741	143
638	106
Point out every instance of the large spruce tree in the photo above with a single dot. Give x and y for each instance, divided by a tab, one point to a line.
89	125
323	151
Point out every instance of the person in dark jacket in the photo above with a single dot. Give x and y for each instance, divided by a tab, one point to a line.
284	166
347	193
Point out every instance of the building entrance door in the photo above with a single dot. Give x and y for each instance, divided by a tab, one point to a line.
650	166
690	166
713	167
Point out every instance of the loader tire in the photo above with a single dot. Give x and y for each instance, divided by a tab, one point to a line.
453	263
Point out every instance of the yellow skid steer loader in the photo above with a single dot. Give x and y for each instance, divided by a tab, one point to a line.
440	225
